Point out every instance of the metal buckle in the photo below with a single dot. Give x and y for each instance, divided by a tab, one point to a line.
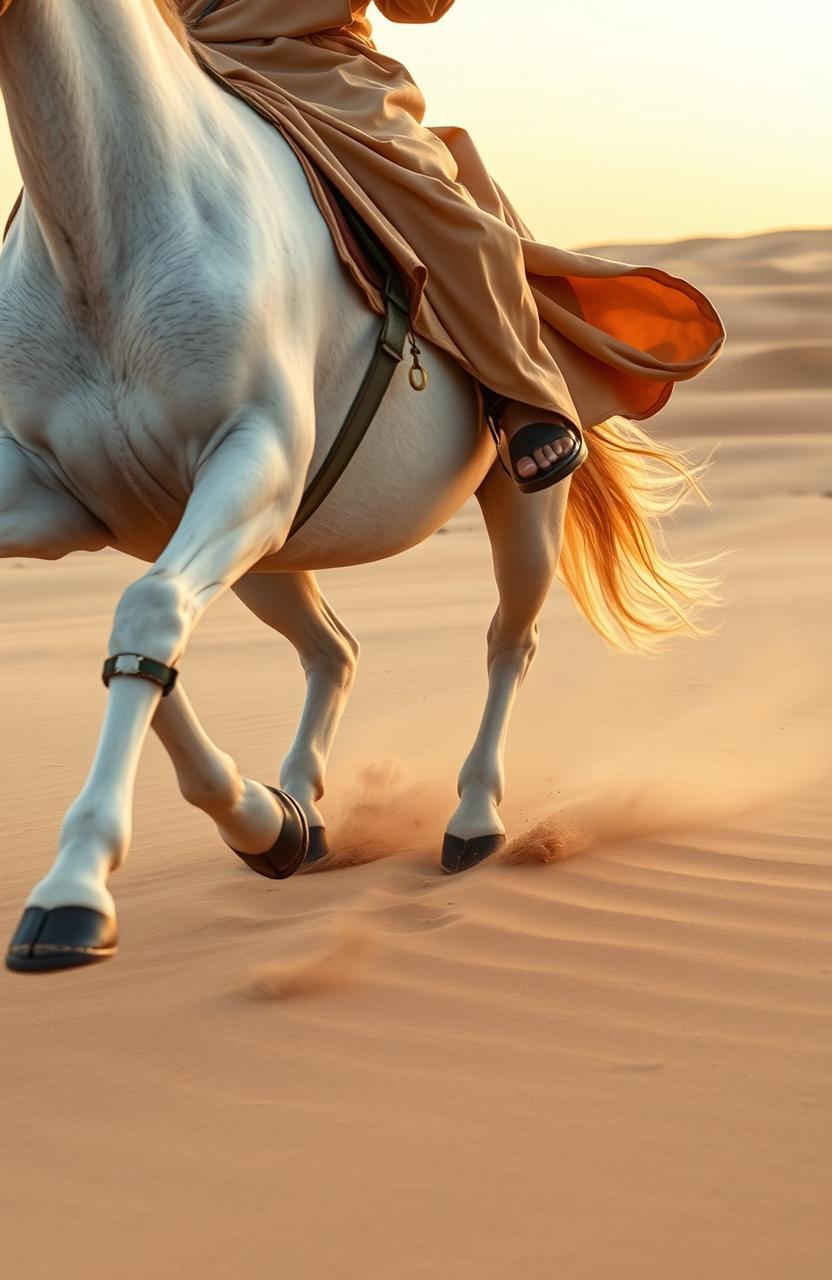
128	664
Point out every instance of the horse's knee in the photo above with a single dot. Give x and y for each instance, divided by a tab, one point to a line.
333	654
512	642
340	663
154	617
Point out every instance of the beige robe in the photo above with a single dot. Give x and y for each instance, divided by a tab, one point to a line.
578	334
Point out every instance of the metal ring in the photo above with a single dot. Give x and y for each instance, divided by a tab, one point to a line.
418	377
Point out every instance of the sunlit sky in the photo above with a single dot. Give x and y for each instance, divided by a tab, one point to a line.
608	121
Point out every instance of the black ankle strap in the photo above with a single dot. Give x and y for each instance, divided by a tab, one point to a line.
493	405
494	402
134	664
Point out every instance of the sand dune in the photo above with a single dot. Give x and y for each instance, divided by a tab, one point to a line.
606	1055
794	249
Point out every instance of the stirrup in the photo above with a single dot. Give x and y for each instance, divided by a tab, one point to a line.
134	664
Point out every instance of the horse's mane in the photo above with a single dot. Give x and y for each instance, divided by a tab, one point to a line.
169	10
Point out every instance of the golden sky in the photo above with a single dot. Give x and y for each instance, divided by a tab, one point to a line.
638	120
608	121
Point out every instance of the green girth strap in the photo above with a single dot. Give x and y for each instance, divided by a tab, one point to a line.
388	354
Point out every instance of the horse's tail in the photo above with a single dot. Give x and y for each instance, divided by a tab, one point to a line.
619	575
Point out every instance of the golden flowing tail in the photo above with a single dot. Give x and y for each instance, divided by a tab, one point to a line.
612	562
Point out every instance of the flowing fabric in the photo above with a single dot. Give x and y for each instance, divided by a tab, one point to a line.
580	335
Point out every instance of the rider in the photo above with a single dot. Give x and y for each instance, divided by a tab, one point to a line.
549	334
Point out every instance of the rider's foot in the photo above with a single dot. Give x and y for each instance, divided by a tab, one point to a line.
517	415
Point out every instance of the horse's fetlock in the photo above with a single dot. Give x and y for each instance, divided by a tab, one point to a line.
215	791
481	777
88	829
303	773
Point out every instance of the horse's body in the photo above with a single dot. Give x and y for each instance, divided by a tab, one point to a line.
178	345
200	298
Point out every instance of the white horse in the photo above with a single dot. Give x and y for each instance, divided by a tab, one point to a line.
178	345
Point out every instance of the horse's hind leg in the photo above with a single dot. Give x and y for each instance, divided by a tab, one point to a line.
525	531
242	809
245	492
292	603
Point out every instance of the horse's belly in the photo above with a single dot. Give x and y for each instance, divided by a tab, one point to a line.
423	456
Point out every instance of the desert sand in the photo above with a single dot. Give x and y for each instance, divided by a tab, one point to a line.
605	1056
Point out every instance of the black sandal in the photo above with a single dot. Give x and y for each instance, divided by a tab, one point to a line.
534	435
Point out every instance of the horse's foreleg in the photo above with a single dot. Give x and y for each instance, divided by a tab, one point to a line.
292	604
525	532
244	811
245	491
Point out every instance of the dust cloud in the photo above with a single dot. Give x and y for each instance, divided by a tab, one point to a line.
339	962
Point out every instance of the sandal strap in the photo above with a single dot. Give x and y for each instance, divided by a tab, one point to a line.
493	406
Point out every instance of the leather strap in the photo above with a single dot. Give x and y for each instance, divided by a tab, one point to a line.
388	354
134	664
493	405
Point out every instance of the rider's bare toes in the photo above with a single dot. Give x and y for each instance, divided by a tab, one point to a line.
540	458
526	467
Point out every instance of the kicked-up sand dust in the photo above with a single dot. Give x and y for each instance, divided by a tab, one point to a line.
338	962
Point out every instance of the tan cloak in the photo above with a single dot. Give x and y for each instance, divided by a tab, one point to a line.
567	331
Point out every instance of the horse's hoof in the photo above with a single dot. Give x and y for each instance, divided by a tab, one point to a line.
61	938
318	846
289	850
462	855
